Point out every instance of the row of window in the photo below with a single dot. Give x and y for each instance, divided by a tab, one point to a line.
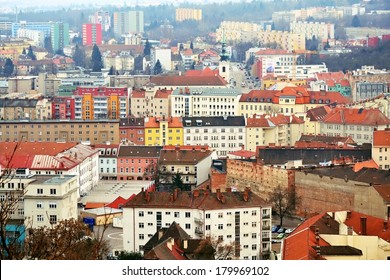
52	218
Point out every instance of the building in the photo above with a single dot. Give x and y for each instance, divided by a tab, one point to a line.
101	17
120	62
277	129
299	71
370	90
132	130
215	81
88	131
128	22
223	134
357	123
36	158
163	131
24	109
38	37
283	39
108	166
94	103
92	34
138	162
50	199
339	235
183	14
319	30
59	36
237	31
381	148
45	27
239	218
205	102
162	55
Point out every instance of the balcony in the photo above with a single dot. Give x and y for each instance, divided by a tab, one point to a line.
198	221
199	231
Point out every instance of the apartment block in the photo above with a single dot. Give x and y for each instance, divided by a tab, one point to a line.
319	30
88	131
92	34
183	14
381	148
241	219
222	134
128	22
163	131
132	130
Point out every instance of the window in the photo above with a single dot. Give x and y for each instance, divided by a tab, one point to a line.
254	213
167	213
228	236
220	226
53	191
53	219
141	236
150	224
207	227
141	225
188	214
141	213
229	225
253	224
207	216
246	246
188	226
39	191
220	237
39	218
177	214
254	235
40	205
254	247
220	215
149	213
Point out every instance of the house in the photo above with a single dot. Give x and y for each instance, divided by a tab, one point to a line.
132	130
162	131
381	148
239	218
339	235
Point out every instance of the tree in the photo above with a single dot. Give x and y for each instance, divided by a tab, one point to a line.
355	21
24	51
8	67
192	46
47	44
157	69
284	202
112	71
216	249
138	63
31	54
125	255
96	59
181	47
147	48
79	57
177	181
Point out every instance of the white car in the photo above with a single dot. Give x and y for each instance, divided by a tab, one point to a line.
289	230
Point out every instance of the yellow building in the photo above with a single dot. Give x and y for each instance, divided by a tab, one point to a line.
183	14
163	131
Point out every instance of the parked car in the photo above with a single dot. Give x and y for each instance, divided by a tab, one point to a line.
280	236
289	230
281	230
275	228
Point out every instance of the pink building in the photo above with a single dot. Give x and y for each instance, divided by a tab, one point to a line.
92	34
137	162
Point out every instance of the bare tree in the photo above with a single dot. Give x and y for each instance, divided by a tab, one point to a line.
284	202
215	249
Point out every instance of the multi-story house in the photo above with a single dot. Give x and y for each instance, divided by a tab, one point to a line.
108	154
237	31
192	163
63	108
285	40
205	102
101	17
162	55
357	123
369	90
94	103
214	81
59	35
120	62
88	131
137	162
223	134
163	131
49	199
241	219
92	34
132	130
281	130
150	101
381	148
289	100
183	14
128	22
319	30
38	158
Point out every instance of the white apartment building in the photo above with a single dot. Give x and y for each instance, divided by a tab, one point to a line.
122	61
192	102
300	71
239	218
223	134
38	37
237	31
108	154
164	56
49	199
319	30
381	148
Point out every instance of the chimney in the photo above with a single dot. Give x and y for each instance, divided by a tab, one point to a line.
385	225
218	194
171	198
349	214
246	195
196	193
175	192
160	233
228	189
363	225
328	221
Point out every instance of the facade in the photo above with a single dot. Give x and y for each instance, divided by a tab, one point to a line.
132	130
239	218
319	30
63	108
92	34
50	199
275	129
163	131
300	71
183	14
59	35
108	154
164	56
237	31
285	40
137	162
89	131
369	90
357	123
101	17
121	62
94	103
222	134
381	148
129	22
205	102
39	26
38	37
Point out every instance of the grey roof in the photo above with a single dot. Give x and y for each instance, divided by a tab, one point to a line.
140	151
214	121
207	91
339	251
23	103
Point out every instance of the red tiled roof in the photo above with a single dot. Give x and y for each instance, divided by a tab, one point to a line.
162	93
186	147
205	72
258	96
381	138
318	113
243	153
188	80
119	202
331	96
272	52
188	52
271	121
138	93
330	76
154	122
359	116
93	205
365	164
384	192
